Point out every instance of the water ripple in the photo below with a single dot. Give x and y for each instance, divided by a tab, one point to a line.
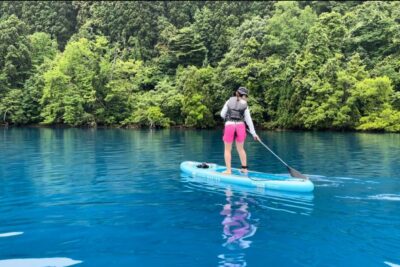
11	234
387	197
391	264
43	262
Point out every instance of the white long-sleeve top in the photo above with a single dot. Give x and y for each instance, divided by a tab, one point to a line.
247	118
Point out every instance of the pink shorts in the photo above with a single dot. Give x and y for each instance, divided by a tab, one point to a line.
237	130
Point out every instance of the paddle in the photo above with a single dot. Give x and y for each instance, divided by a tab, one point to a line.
292	172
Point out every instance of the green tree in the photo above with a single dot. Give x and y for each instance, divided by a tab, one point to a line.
203	96
70	94
11	108
390	67
323	99
15	54
186	48
370	96
157	108
329	6
117	97
246	43
347	116
371	31
131	24
287	29
170	100
316	96
57	18
215	30
43	48
196	113
150	116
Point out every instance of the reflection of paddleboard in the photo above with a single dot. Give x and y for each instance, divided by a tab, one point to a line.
213	173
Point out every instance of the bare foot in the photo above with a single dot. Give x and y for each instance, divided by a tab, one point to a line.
244	171
227	172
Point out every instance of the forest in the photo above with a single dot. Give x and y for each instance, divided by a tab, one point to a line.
308	65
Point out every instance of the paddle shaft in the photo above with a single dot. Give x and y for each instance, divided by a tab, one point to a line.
272	152
292	172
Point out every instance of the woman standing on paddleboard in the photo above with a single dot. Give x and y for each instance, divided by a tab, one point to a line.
236	115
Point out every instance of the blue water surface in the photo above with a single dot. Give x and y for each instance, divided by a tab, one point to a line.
116	197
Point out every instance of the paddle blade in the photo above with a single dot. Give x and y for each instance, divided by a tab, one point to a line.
295	173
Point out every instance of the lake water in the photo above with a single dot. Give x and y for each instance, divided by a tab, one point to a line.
116	197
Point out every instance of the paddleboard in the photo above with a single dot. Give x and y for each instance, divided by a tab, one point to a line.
214	173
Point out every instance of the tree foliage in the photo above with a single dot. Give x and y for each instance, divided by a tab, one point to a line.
15	53
307	64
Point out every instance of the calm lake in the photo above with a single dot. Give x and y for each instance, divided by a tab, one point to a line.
116	197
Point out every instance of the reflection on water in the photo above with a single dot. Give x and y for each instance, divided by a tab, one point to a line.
232	260
239	223
279	201
237	226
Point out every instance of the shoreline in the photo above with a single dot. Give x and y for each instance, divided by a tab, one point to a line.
181	127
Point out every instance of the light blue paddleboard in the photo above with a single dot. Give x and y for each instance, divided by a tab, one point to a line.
252	179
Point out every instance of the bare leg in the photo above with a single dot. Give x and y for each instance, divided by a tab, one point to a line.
242	154
228	157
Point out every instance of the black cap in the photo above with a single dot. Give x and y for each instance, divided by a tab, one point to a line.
243	91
